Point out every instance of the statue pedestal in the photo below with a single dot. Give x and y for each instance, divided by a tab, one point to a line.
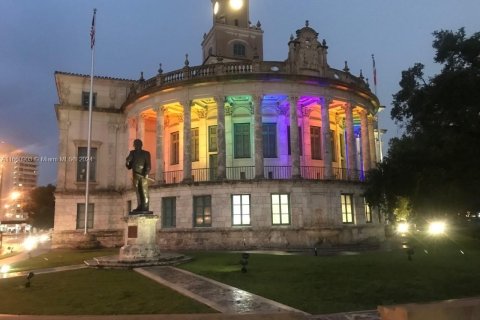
140	238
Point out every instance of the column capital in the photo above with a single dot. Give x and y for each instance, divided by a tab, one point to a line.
325	100
293	98
220	99
257	98
159	108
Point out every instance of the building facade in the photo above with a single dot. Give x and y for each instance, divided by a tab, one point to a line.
246	153
18	176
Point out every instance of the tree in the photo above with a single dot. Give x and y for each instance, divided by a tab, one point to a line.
435	164
41	207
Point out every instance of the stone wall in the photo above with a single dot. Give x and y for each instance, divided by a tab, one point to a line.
265	238
314	208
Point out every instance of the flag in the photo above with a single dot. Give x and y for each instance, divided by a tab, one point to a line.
374	71
92	30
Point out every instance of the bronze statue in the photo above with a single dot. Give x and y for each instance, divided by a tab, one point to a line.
139	161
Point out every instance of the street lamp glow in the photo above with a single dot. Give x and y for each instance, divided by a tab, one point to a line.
14	195
436	228
30	243
403	227
5	268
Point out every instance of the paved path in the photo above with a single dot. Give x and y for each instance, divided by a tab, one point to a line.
219	296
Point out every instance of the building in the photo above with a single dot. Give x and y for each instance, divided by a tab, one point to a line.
18	176
246	153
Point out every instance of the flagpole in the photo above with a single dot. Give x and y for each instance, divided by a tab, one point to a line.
374	74
90	103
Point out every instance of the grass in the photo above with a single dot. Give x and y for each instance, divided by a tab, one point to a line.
91	291
60	257
353	282
441	269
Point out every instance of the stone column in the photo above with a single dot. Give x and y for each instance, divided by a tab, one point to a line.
294	147
351	144
365	142
371	141
64	125
132	131
141	127
258	133
187	142
326	138
221	143
159	143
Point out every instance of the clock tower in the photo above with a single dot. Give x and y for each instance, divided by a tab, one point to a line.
232	36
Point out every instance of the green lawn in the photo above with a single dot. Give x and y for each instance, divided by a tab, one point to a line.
441	269
91	291
61	257
353	282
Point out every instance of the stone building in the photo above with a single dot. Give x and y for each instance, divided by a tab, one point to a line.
246	153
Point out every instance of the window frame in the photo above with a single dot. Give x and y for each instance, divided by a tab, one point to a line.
86	99
269	136
195	144
80	217
316	142
172	215
212	138
82	164
239	50
241	139
203	224
174	147
368	212
242	206
347	208
280	207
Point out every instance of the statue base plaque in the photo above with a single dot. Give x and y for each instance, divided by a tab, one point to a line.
140	238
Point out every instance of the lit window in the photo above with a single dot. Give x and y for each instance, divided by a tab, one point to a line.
202	211
347	208
169	212
81	216
368	212
280	209
269	140
174	148
212	138
195	144
241	140
82	160
241	209
316	142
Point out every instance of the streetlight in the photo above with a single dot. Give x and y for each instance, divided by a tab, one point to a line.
436	228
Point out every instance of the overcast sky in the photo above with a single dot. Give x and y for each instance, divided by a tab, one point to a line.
39	37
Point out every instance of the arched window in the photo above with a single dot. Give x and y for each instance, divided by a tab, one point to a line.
239	50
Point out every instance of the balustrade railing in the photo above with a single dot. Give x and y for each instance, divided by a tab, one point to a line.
240	173
270	172
278	172
233	68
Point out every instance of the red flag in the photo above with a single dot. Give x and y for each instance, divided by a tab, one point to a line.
92	30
